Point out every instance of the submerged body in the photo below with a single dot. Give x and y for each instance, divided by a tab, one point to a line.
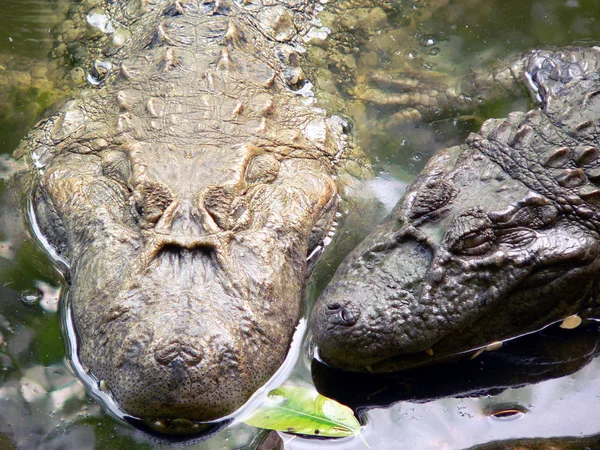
496	238
184	192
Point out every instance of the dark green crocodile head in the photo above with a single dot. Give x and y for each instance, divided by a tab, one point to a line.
496	238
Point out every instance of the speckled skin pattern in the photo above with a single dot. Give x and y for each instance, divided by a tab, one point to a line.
495	238
185	192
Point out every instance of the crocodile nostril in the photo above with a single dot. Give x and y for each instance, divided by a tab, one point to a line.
348	316
177	350
345	315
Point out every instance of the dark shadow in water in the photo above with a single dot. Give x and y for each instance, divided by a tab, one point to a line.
551	353
569	443
183	438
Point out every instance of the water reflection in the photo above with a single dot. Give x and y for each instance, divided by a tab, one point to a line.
540	386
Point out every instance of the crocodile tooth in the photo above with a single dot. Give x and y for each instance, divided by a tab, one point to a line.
571	178
557	157
571	322
590	194
585	155
494	346
593	175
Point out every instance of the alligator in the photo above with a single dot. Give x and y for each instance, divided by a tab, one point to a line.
496	238
183	190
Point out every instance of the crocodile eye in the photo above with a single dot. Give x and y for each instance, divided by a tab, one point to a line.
152	199
116	165
476	244
262	169
471	233
217	202
227	210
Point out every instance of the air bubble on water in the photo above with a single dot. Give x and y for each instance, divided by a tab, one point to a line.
429	41
31	297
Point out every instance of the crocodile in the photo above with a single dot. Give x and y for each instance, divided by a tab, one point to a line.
183	191
496	238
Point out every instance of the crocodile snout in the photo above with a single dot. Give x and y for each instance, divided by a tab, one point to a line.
176	376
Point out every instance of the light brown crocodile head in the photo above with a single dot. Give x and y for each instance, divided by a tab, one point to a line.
185	193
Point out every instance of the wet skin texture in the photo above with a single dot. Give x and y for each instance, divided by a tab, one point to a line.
496	238
185	192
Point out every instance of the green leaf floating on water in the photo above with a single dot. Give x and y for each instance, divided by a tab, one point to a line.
299	410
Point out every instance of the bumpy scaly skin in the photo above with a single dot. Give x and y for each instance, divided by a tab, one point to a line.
497	237
185	193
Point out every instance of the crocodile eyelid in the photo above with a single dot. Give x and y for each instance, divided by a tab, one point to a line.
262	168
469	230
474	243
435	194
116	165
530	216
516	238
154	198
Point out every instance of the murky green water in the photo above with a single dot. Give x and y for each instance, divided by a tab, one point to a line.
43	406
